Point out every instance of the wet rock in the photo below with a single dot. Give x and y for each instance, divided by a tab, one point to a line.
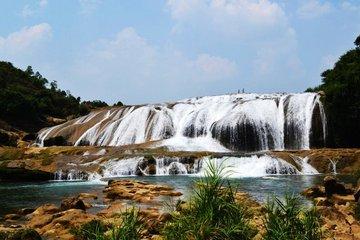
72	203
83	196
46	209
26	211
12	217
333	187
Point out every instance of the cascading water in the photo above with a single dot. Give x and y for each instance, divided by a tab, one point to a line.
246	122
248	166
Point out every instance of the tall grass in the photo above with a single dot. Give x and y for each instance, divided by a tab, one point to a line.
130	227
289	220
212	213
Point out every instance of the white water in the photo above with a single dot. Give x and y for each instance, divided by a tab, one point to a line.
234	167
215	123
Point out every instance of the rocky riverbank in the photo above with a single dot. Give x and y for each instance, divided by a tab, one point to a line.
56	222
335	202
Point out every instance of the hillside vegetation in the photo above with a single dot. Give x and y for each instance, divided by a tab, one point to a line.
341	86
28	101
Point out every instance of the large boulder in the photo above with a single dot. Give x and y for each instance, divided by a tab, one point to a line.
333	187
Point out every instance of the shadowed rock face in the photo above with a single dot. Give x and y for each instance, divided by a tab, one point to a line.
245	122
317	133
242	137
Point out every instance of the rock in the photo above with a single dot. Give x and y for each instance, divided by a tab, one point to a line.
12	217
314	192
46	209
322	201
357	194
350	219
83	196
342	200
26	211
24	234
39	221
333	187
72	203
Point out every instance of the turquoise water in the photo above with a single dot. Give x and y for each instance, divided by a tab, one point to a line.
14	196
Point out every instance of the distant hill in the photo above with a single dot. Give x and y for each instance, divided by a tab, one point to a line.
29	102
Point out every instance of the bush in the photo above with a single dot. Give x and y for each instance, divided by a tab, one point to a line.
288	220
213	213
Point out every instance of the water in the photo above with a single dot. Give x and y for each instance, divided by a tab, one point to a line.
246	122
14	196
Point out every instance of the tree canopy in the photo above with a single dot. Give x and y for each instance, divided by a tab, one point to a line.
342	99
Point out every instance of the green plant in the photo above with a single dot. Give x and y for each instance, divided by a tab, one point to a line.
93	230
288	220
130	227
212	213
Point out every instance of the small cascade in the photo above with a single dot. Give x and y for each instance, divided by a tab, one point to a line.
71	175
333	163
305	167
236	122
170	166
121	167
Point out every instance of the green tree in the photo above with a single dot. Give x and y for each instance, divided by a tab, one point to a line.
342	99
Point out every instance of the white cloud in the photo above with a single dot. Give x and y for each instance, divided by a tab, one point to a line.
89	6
25	39
129	58
27	11
260	25
350	6
313	8
235	18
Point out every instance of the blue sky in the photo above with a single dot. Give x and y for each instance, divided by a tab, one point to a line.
153	51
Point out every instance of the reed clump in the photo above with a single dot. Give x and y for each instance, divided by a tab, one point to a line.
212	212
288	219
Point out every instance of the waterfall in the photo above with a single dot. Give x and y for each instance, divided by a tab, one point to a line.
236	122
247	166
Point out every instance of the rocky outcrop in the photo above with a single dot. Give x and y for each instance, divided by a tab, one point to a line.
141	192
335	203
